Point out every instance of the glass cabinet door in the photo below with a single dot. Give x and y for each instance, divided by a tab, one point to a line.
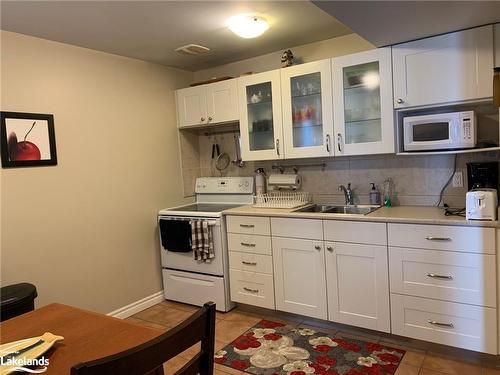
363	103
361	90
307	109
260	116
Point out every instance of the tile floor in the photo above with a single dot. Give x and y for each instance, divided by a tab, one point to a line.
420	358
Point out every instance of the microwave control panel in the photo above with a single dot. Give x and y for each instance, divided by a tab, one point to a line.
467	118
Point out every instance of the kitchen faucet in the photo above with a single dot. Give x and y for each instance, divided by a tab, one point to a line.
349	198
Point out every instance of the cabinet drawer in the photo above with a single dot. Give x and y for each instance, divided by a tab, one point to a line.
252	288
297	228
248	225
442	237
450	276
248	243
355	231
251	262
448	323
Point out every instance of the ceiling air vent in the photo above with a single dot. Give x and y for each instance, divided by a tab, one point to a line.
192	49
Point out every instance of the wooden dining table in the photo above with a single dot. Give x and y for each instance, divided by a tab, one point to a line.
87	335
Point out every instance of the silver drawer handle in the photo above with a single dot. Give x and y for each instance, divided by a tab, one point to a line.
247	244
447	277
438	238
433	322
251	290
247	225
249	263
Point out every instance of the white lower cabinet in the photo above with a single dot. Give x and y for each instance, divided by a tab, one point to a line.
299	275
358	285
444	275
448	323
252	288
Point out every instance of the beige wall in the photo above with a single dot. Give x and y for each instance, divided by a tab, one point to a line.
84	231
325	49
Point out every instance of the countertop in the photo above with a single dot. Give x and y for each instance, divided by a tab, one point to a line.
398	214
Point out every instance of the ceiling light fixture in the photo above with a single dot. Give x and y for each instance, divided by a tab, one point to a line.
247	26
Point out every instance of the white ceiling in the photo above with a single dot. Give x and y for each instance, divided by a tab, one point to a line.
385	23
151	30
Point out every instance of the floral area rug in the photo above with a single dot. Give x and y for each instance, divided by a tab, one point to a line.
271	348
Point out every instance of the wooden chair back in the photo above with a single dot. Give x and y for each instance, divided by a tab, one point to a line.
148	358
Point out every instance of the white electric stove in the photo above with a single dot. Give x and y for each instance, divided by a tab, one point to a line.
184	278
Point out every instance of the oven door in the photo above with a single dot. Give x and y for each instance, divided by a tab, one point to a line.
431	133
181	257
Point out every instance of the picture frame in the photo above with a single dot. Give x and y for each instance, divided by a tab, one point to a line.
27	139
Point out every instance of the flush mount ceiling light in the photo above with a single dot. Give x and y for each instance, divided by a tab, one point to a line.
247	25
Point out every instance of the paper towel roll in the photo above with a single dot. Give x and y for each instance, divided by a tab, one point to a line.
284	181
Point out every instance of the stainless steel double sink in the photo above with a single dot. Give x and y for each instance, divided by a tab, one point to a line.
361	209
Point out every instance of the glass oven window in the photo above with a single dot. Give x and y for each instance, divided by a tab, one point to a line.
435	131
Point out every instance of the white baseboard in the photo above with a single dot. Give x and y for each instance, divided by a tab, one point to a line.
137	306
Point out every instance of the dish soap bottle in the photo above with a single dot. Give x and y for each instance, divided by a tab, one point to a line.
374	194
387	192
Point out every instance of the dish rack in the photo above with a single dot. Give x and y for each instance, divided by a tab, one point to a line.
282	199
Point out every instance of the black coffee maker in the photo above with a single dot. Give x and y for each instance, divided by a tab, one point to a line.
482	175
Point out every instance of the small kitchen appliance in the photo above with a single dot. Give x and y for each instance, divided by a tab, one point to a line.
481	202
440	131
196	281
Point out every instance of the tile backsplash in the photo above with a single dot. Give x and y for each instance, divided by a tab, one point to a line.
417	180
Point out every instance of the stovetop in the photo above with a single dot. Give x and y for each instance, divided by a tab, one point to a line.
205	207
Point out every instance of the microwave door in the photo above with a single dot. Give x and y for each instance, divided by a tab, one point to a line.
424	135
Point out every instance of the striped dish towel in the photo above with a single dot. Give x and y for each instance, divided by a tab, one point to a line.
201	241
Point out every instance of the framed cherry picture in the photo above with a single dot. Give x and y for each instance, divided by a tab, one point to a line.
27	139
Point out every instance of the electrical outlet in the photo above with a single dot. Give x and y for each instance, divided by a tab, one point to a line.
458	180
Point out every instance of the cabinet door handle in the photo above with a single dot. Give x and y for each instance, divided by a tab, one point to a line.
438	238
249	263
329	248
317	247
447	277
247	225
327	142
202	119
210	119
251	290
433	322
400	101
339	142
247	244
278	147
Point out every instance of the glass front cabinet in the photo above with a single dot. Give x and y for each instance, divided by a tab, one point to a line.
259	97
362	101
306	94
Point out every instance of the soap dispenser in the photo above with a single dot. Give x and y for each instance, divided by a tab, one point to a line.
374	194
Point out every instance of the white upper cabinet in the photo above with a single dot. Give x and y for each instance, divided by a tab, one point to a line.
447	68
222	101
260	116
362	103
208	104
191	106
306	93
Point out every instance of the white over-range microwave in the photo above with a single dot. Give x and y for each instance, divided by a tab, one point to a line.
442	131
